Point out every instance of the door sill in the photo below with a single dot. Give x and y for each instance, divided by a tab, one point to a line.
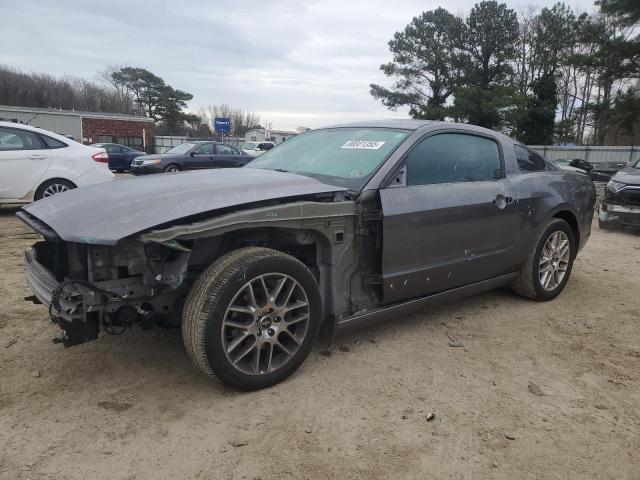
410	306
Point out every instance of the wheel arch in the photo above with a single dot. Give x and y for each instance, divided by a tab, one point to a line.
321	235
43	182
571	218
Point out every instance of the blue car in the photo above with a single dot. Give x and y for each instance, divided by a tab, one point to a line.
120	157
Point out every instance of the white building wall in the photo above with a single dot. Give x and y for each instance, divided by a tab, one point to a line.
54	122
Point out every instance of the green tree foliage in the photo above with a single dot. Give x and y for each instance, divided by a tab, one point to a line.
154	97
489	48
628	11
547	75
535	118
489	40
426	63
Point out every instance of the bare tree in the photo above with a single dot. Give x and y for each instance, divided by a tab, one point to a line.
67	93
241	120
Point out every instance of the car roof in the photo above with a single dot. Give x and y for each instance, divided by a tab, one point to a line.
19	125
404	123
425	125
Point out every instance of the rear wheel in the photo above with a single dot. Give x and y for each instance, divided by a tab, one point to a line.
173	168
53	187
251	317
548	267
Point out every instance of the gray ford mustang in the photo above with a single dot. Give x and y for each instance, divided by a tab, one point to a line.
340	226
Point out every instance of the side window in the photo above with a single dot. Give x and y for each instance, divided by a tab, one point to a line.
529	161
110	149
14	139
225	150
52	142
206	149
453	158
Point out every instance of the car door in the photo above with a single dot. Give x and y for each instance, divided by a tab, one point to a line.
200	157
450	217
226	156
23	161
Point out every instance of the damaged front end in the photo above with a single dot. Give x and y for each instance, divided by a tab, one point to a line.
620	206
89	288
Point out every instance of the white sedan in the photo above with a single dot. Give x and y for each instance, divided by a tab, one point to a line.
256	148
36	163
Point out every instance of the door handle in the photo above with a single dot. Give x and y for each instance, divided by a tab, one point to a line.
37	156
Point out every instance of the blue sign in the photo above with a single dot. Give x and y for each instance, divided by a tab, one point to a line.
222	124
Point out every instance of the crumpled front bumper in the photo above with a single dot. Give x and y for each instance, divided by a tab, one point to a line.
628	215
40	280
76	327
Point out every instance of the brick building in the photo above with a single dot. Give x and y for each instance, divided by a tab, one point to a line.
87	127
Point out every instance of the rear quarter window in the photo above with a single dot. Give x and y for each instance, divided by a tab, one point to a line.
52	142
529	161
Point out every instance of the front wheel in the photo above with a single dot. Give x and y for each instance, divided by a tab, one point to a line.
251	317
548	267
172	168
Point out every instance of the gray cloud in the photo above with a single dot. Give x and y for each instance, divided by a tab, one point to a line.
294	63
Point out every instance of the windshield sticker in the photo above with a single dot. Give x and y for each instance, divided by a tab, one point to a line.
363	145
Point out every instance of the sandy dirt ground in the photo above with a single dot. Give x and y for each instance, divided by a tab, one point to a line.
538	391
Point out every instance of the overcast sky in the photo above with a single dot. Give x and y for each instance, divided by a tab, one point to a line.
297	62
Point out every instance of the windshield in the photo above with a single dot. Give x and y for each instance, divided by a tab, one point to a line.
248	145
180	149
346	157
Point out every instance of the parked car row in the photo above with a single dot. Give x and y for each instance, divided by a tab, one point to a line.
600	172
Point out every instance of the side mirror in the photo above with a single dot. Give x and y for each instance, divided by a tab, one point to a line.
400	180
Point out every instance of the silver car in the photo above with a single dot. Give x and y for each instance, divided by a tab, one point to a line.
337	226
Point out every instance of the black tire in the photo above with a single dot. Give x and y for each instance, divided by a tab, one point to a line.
172	168
206	307
528	284
53	184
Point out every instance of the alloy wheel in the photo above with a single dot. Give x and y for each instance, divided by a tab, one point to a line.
554	260
265	323
54	189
